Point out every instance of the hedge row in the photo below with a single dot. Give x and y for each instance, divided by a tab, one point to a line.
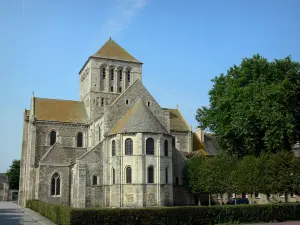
56	213
63	215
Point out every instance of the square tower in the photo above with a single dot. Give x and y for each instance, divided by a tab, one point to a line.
106	75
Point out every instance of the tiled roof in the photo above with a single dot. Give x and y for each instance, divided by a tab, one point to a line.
177	122
59	110
138	119
111	50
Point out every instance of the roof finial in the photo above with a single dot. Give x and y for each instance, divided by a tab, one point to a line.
109	36
177	106
32	93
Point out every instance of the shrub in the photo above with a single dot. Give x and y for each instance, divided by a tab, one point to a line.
192	215
57	213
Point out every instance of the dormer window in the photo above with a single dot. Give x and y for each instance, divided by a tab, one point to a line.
103	73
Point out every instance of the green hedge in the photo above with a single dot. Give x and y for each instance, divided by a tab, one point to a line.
57	213
63	215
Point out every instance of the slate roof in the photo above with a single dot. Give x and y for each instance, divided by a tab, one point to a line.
59	110
138	119
208	148
111	50
177	122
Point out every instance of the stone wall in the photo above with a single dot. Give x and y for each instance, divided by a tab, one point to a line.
45	175
183	141
119	107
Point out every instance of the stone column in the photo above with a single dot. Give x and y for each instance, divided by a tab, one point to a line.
116	81
124	80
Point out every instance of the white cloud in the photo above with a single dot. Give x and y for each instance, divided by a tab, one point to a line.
123	14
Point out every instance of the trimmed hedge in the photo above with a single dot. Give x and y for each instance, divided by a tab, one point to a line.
64	215
56	213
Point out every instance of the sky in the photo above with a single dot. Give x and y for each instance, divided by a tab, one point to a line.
183	45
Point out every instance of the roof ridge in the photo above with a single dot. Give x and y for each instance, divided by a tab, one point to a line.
131	108
56	99
126	90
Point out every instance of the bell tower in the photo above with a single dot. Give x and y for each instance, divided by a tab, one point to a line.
106	75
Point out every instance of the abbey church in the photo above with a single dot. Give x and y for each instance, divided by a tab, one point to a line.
115	147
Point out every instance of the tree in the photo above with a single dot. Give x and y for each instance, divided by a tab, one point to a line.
222	165
244	178
13	174
255	107
210	175
193	172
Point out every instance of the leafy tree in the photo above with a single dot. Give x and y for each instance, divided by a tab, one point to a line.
193	171
13	174
255	107
280	172
245	176
210	175
222	166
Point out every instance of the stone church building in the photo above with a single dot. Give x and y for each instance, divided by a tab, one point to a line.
115	147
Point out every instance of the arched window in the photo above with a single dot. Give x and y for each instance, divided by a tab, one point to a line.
128	146
113	148
79	140
95	180
103	73
120	75
128	76
167	175
55	184
112	74
173	142
150	146
128	175
150	175
52	137
166	147
113	176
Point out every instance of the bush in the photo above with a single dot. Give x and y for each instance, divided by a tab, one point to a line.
64	215
57	213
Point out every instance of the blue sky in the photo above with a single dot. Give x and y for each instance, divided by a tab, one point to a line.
183	45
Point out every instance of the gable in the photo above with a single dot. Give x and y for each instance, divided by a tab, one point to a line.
177	122
119	108
138	119
58	154
111	50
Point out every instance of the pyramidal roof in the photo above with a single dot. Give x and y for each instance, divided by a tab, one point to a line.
139	119
111	50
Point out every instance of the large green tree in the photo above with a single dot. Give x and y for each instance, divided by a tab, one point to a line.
255	107
13	174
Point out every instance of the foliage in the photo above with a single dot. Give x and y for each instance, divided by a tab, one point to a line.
58	214
210	175
268	173
170	215
255	107
13	174
243	179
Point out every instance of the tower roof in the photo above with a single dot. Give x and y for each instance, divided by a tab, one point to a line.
111	50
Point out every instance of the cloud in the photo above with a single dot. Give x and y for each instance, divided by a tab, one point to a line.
124	13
